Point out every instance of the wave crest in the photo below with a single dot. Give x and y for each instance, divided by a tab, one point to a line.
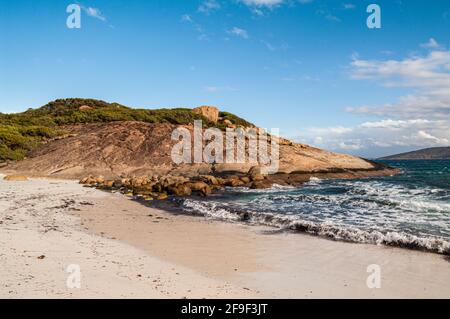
324	229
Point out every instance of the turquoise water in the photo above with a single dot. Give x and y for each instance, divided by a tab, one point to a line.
409	210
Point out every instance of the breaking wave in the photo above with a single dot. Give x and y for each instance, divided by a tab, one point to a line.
326	229
411	210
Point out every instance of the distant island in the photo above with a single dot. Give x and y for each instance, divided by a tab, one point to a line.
424	154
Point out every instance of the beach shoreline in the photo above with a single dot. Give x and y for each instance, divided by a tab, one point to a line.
125	249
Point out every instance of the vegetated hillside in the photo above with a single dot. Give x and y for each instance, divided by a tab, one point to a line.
424	154
73	138
21	133
135	148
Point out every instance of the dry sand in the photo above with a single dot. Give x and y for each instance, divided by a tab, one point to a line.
36	219
125	249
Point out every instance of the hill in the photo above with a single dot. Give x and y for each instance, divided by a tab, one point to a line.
424	154
73	138
21	133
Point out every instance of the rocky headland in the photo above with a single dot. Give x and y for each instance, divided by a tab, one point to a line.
110	146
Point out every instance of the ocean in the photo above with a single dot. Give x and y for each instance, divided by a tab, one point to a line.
410	210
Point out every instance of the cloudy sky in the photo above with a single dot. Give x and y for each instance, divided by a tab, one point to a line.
309	67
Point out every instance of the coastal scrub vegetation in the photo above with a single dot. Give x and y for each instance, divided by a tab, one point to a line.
22	132
236	120
17	140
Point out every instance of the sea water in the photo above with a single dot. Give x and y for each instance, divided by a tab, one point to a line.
410	210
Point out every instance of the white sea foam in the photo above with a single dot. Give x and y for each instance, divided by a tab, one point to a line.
405	212
325	229
314	181
275	188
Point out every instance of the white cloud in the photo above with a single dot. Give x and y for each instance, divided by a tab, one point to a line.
239	32
186	18
393	124
426	136
352	146
418	119
428	77
333	18
431	44
272	47
258	12
383	134
209	6
94	12
349	6
259	7
215	89
339	130
262	3
328	15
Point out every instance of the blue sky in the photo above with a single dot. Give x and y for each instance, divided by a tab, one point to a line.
309	67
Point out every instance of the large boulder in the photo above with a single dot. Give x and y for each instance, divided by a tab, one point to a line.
255	173
140	181
118	183
234	181
210	112
263	184
108	184
100	180
170	180
245	179
162	196
89	180
200	187
209	179
15	178
180	190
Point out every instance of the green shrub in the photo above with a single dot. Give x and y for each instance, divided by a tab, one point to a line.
39	131
235	119
21	132
7	153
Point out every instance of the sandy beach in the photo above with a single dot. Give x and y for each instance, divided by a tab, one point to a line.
124	249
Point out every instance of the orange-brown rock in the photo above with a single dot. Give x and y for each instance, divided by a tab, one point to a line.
121	150
15	178
245	179
180	190
200	187
210	112
261	184
234	182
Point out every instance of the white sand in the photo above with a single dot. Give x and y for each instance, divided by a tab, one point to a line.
35	223
125	252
